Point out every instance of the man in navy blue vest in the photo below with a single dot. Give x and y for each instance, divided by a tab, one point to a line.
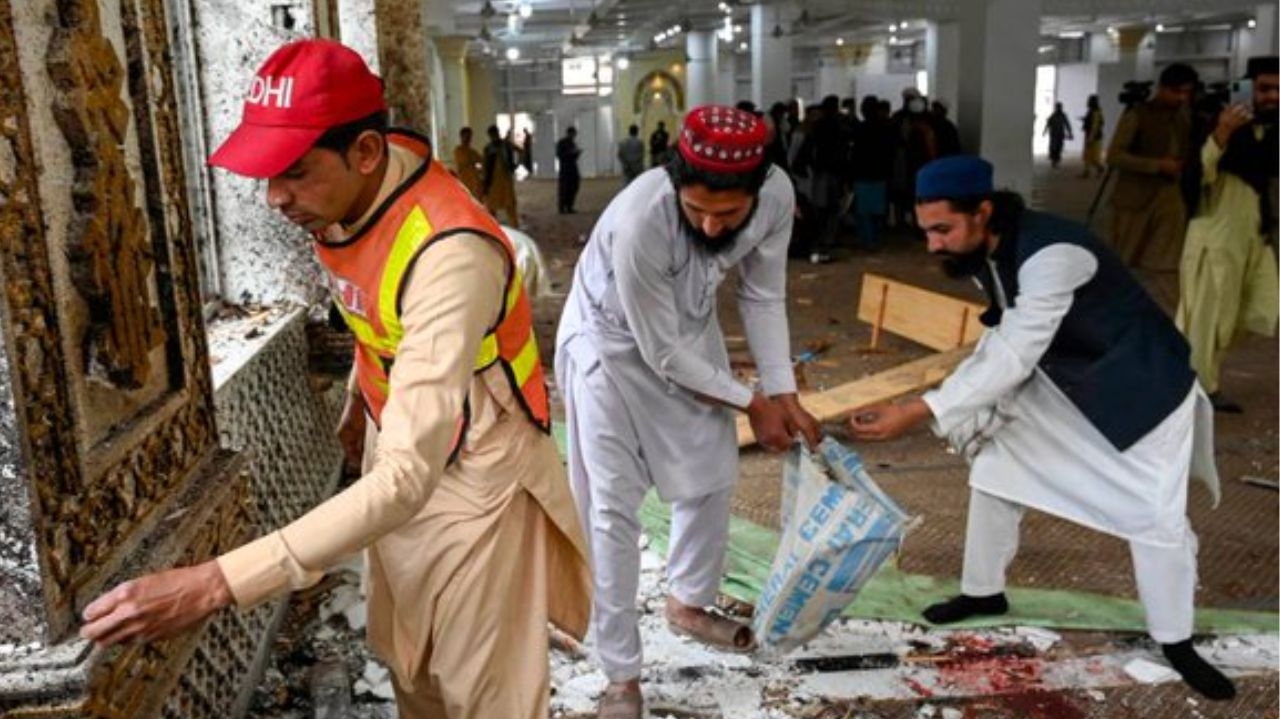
1079	401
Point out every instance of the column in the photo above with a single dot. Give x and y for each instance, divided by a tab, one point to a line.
835	73
770	56
998	56
456	101
358	29
1264	31
405	62
441	17
1124	46
942	60
701	49
726	72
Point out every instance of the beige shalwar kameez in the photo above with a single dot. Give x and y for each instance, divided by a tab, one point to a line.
467	163
467	561
1149	216
1229	283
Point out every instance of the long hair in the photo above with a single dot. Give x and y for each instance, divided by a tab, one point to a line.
1006	213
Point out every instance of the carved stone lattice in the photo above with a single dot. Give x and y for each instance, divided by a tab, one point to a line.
108	248
140	678
268	409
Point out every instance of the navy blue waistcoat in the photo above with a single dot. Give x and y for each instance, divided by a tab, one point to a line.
1117	356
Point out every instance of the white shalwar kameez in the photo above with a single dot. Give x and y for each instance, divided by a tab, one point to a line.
1029	446
639	343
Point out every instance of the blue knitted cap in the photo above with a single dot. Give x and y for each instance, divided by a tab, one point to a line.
954	176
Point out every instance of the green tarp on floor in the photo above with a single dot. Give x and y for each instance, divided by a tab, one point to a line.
896	596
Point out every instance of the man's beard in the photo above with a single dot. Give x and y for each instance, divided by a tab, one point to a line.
966	264
718	244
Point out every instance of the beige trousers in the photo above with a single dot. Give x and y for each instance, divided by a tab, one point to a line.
1151	237
488	655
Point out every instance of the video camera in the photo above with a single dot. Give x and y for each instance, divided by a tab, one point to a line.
1134	92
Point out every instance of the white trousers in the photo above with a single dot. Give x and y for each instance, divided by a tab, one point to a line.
609	479
1166	576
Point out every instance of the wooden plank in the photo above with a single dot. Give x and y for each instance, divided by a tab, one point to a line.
838	402
935	320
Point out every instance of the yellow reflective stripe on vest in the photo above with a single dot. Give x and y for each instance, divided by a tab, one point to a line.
488	353
525	362
415	230
363	331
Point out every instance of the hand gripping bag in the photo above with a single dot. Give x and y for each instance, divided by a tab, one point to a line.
838	527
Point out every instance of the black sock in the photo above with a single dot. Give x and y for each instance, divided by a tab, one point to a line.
965	606
1222	404
1196	672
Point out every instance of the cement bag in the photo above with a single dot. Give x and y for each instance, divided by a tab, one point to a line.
838	527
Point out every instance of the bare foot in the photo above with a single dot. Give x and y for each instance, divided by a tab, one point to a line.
621	700
714	630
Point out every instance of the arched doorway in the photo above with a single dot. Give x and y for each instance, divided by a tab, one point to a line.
658	97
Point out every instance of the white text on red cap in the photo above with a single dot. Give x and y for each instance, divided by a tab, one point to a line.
264	89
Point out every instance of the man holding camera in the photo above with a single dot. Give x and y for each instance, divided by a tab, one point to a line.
1149	150
1229	279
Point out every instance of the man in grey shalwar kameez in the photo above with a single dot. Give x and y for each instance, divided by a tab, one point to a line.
1078	401
649	396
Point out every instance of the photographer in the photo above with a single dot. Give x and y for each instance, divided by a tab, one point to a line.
1229	278
1149	150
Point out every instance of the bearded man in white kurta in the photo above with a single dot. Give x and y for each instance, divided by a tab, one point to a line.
1079	401
649	396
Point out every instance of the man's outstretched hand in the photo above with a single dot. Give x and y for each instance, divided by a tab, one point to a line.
156	606
885	421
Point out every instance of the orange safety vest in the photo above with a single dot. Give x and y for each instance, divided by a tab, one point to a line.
367	273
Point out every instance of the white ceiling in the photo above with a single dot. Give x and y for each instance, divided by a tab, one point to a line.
614	26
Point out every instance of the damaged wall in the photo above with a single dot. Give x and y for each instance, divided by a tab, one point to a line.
359	30
262	257
109	462
406	63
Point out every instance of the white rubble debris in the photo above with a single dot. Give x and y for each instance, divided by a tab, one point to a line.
1148	672
376	681
1040	638
683	677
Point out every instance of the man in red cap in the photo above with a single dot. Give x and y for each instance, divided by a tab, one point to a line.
649	396
463	504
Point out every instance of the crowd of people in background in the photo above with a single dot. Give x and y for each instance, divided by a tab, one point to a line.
852	164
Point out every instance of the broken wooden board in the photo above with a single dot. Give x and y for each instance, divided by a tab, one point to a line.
935	320
839	402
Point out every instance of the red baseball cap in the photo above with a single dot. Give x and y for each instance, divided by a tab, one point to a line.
302	90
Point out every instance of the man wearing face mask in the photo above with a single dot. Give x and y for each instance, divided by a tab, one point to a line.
1078	401
649	397
1228	278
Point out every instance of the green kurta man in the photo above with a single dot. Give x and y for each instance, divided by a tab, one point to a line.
1149	150
1229	278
